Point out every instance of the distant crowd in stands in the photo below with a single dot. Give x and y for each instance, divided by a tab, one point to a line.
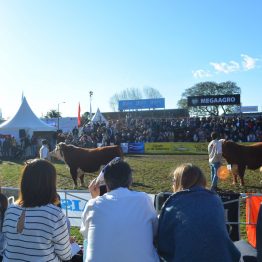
10	148
193	129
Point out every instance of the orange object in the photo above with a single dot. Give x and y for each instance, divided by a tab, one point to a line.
252	209
78	116
223	173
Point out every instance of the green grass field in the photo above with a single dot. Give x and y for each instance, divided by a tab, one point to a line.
151	173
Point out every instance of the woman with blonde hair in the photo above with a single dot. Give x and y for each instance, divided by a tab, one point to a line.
187	176
191	224
35	229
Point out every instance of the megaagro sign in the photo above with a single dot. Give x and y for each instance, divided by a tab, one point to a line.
213	100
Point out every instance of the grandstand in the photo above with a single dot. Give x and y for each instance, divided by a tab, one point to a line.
163	113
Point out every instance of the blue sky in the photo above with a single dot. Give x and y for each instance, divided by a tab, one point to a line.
57	51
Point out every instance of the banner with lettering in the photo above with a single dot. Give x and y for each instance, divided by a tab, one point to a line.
176	148
136	148
213	100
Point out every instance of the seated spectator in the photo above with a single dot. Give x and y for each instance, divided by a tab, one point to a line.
120	225
191	223
35	228
192	129
251	137
3	207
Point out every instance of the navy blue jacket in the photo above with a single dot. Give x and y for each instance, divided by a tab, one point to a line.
192	228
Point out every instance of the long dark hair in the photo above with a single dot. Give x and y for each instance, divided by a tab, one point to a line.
3	207
38	184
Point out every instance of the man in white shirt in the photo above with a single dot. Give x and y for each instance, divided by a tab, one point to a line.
44	150
215	158
120	225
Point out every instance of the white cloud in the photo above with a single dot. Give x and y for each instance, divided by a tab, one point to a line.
226	68
248	62
200	73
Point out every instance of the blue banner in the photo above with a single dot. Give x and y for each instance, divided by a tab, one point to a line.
136	148
141	104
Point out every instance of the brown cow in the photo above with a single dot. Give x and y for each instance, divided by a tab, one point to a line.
244	156
85	159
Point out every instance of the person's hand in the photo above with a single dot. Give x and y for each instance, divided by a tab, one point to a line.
72	239
94	188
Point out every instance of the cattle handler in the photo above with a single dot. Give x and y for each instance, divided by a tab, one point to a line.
215	158
44	150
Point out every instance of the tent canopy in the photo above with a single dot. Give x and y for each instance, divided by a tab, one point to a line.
98	118
24	119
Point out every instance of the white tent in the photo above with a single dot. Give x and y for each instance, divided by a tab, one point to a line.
98	118
24	119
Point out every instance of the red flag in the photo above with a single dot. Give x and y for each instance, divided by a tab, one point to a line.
78	116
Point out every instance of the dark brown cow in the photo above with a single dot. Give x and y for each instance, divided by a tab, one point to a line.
244	156
84	159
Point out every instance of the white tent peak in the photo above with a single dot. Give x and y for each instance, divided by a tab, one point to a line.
24	119
98	117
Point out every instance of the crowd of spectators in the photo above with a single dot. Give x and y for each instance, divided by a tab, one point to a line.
16	227
11	148
193	129
132	130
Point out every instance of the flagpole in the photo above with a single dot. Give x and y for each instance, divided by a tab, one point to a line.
79	116
90	96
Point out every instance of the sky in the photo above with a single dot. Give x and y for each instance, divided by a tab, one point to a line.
59	51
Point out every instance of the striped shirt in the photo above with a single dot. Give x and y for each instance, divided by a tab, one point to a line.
1	236
44	237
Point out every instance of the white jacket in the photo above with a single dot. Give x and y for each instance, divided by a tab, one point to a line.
215	151
120	226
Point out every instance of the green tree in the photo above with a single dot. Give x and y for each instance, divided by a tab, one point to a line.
132	94
150	92
210	88
53	114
